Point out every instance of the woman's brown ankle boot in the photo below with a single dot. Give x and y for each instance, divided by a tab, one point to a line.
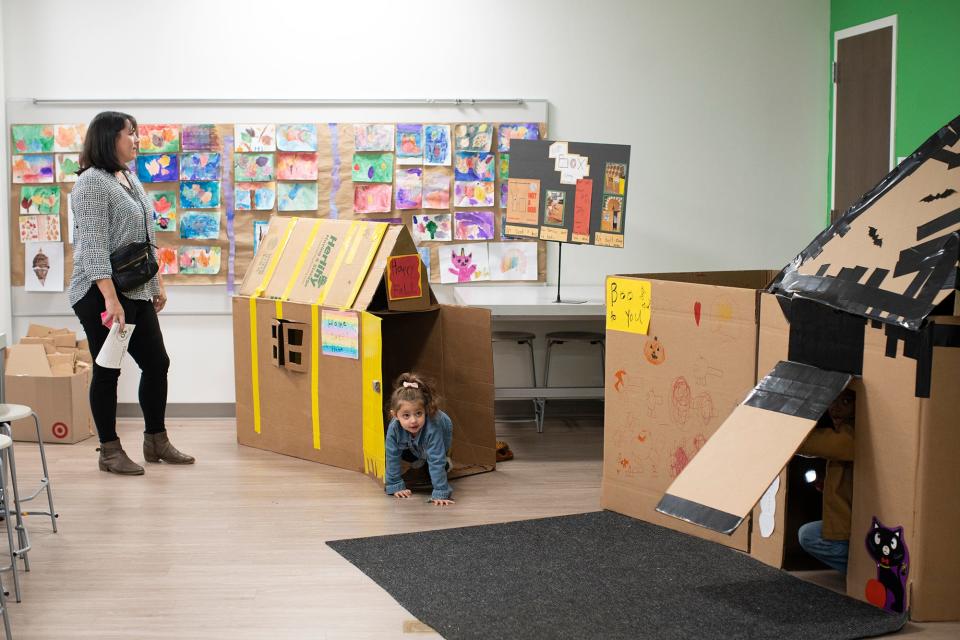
157	448
115	460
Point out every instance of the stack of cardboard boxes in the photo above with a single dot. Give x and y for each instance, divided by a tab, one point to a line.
49	371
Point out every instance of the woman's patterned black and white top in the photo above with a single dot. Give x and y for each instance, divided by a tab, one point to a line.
106	217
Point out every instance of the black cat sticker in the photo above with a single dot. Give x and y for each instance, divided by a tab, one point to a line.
889	550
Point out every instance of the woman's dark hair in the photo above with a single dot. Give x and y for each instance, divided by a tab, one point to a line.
100	143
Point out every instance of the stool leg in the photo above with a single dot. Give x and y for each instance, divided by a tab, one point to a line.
6	521
546	365
541	407
22	536
603	363
6	615
46	475
533	364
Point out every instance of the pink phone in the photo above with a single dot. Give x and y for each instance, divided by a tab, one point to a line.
104	321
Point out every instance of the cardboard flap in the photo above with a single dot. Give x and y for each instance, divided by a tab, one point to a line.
720	486
27	360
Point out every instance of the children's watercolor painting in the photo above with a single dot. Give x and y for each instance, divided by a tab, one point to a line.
409	188
513	260
260	228
199	260
372	198
39	228
67	166
254	137
296	196
476	136
199	225
159	138
436	145
473	166
373	137
297	137
464	262
257	196
253	167
39	200
473	225
429	227
167	258
372	167
199	195
473	194
297	166
32	138
68	137
409	144
33	169
200	137
161	167
436	188
200	166
516	131
43	267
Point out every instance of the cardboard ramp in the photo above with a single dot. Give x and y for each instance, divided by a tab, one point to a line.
720	487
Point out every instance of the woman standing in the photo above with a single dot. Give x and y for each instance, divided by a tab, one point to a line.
111	210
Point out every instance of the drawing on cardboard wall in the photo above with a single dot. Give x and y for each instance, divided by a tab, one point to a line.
199	195
513	260
159	138
200	225
297	137
296	196
409	144
473	225
615	178
372	198
167	258
258	196
297	166
68	164
611	215
473	194
34	169
654	400
680	400
431	227
654	352
703	370
473	166
464	263
39	228
373	137
260	228
436	188
43	266
618	382
703	405
164	210
768	509
39	200
253	167
200	166
68	137
372	167
683	453
409	188
254	137
32	138
476	136
199	137
517	131
157	168
199	260
554	206
436	144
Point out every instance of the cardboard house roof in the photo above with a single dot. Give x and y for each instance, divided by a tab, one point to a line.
891	258
340	264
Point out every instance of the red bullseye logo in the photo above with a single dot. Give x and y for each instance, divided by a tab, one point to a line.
60	430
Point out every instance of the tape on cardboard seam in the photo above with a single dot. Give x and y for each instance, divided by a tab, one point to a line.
315	374
379	234
297	267
798	390
351	237
699	514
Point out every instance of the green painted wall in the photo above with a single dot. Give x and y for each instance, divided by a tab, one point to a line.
928	65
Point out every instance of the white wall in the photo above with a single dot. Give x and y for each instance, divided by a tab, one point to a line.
724	103
5	318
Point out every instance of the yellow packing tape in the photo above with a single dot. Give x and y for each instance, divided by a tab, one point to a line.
379	231
374	451
351	237
315	373
296	270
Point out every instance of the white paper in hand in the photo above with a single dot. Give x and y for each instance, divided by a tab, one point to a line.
115	346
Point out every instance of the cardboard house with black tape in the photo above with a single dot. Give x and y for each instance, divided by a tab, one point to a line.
329	313
871	306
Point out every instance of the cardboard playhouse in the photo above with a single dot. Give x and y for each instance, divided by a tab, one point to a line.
49	371
329	313
870	304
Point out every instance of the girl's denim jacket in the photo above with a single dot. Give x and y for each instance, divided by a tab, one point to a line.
431	444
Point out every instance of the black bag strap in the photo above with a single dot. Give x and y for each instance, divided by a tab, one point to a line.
133	193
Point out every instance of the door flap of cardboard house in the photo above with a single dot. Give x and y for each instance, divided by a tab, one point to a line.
728	476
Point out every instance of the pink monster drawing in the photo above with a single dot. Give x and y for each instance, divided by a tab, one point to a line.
461	266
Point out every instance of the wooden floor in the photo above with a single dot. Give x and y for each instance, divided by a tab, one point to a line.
233	547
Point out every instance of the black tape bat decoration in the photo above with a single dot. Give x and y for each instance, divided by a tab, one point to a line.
946	193
877	240
949	157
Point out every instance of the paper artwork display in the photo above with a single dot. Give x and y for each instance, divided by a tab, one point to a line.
200	166
516	131
409	188
372	167
513	260
165	222
164	210
297	166
199	260
258	196
157	168
296	196
431	227
425	259
67	166
473	194
167	259
523	201
409	144
297	137
464	262
504	194
39	227
436	188
199	225
43	266
340	334
572	167
32	138
39	200
260	228
504	167
477	136
254	137
253	167
372	198
473	225
404	277
199	195
436	145
473	166
35	169
373	137
554	206
611	214
200	137
582	199
68	137
615	178
159	138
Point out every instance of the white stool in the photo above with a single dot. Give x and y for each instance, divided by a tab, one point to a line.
527	338
9	413
20	549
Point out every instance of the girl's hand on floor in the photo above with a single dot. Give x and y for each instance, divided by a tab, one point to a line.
442	503
406	493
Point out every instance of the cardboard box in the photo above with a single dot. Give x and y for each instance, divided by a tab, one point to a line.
870	304
328	314
54	388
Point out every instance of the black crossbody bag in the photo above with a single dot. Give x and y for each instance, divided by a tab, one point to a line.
133	264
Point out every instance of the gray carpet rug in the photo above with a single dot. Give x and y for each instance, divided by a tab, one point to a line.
600	575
